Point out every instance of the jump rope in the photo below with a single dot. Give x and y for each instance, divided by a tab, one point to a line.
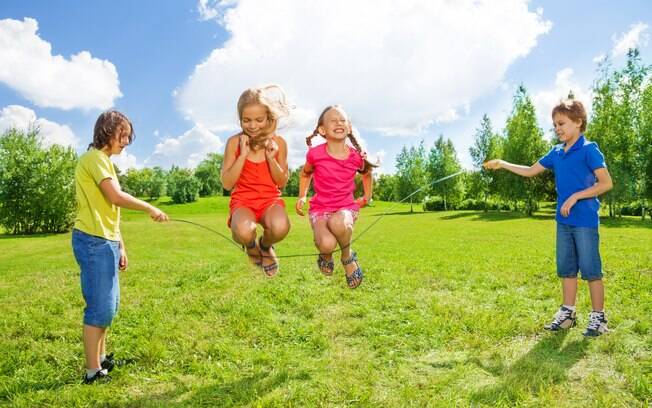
386	212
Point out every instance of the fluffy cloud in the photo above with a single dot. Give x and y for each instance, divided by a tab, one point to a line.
187	150
20	117
546	100
28	66
126	161
634	38
396	66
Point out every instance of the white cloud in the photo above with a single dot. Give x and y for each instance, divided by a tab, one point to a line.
28	66
187	150
546	100
126	161
598	59
395	66
213	9
22	118
634	38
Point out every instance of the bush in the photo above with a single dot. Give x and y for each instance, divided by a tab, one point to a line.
37	185
433	204
183	186
634	208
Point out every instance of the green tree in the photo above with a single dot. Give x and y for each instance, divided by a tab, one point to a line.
208	174
385	187
292	187
37	187
442	162
183	186
411	174
523	144
486	146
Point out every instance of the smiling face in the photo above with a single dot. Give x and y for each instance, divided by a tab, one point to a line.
566	129
335	124
255	120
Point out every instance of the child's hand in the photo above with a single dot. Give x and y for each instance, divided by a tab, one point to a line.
124	262
361	202
244	145
158	215
568	204
271	148
494	164
299	206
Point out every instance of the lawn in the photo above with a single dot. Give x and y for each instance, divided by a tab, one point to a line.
450	313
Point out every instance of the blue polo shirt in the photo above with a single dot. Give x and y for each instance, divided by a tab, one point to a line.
574	172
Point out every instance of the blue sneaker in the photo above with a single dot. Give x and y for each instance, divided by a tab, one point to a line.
597	325
564	319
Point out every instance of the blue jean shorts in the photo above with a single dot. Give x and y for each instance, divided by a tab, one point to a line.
578	248
98	259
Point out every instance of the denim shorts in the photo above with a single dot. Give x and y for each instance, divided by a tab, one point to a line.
578	248
98	259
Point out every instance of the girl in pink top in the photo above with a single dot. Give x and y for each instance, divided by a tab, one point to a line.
332	166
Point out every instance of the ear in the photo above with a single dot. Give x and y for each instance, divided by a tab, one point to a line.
321	130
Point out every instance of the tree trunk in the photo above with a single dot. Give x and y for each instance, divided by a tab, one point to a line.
485	202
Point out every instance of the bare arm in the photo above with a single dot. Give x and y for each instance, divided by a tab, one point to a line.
601	186
304	183
367	187
525	171
278	163
112	191
232	166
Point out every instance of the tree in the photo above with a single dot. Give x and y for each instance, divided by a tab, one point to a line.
523	144
292	187
486	146
385	187
208	174
37	185
411	174
183	186
442	162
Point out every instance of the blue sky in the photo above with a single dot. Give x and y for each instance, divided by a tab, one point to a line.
404	71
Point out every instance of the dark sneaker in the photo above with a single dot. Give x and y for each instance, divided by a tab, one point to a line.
564	319
109	363
100	377
597	325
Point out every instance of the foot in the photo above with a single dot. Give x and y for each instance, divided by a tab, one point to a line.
597	325
352	270
564	319
253	252
100	377
269	259
326	264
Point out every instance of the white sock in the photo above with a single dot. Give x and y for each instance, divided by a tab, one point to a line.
102	358
90	372
570	307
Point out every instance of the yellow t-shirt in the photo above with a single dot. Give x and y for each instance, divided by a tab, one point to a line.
96	214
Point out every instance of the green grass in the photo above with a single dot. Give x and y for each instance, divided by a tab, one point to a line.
450	313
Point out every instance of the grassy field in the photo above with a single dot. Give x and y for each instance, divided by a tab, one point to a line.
450	313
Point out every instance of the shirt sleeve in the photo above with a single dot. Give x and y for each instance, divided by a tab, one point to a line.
546	161
594	157
101	169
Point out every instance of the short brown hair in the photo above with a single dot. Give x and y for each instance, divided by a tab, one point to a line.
106	126
572	109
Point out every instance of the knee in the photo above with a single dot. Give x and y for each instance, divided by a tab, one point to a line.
280	228
338	226
325	244
244	232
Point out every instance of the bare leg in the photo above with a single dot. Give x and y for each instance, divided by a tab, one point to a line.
325	242
596	288
276	226
569	290
243	230
93	337
341	226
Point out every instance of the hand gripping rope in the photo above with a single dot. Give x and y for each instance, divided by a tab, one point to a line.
386	212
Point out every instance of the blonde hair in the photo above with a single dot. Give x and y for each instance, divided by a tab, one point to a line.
367	165
273	99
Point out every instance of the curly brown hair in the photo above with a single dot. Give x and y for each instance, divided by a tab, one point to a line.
572	109
107	126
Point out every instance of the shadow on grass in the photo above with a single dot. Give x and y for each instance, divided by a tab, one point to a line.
37	235
547	363
240	392
497	216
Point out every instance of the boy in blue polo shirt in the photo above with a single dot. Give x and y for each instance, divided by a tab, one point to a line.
580	177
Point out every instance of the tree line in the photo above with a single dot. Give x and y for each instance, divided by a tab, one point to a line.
37	183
